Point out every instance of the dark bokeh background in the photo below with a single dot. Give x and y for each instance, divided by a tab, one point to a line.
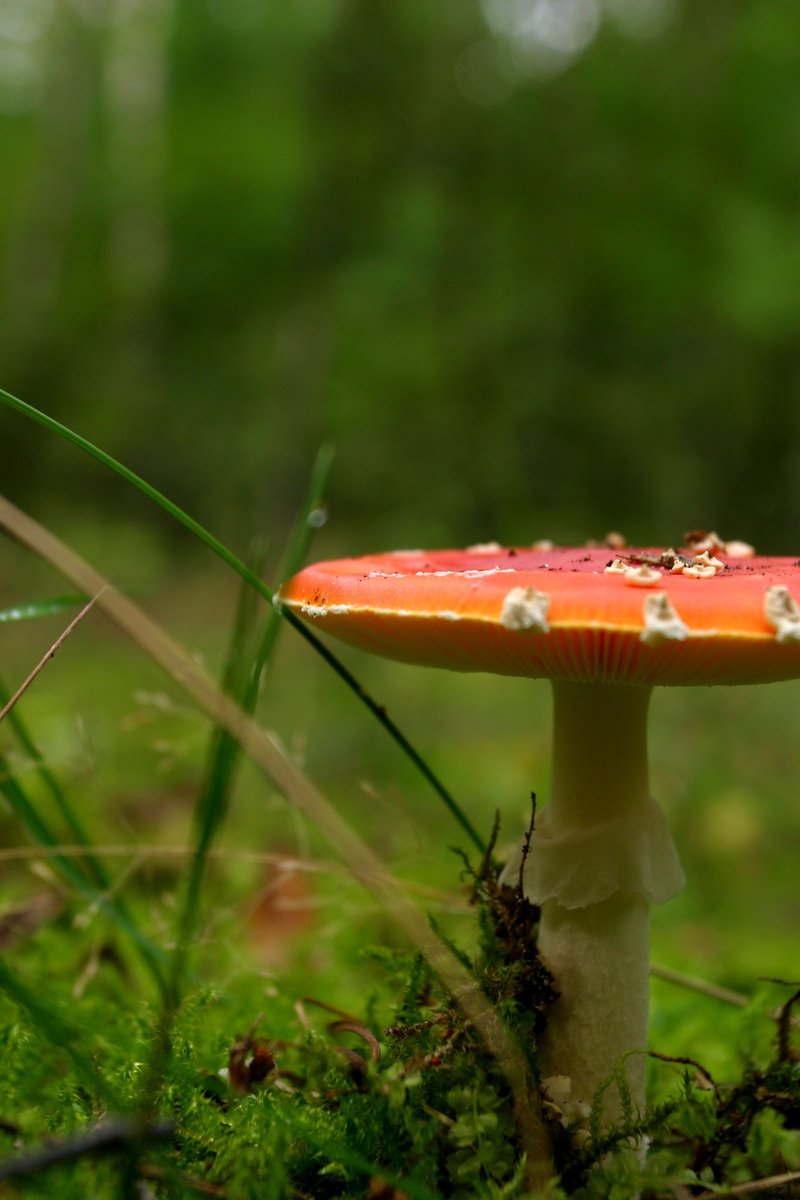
532	266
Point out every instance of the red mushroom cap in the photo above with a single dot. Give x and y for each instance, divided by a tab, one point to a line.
650	617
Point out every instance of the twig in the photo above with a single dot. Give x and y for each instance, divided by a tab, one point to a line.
753	1187
782	1015
109	1138
686	1062
331	1008
284	862
361	1031
700	985
526	847
50	654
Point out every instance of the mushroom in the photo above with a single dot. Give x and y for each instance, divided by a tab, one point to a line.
605	632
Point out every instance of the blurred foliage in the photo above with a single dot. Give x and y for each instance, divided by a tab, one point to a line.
532	267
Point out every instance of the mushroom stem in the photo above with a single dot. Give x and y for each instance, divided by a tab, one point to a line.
601	854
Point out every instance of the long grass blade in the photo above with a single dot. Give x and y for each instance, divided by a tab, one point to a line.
214	792
38	829
32	609
42	663
310	518
15	723
241	681
243	677
96	883
58	1031
365	865
393	730
212	802
111	906
251	578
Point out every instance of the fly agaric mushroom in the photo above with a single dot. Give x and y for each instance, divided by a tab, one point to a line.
605	631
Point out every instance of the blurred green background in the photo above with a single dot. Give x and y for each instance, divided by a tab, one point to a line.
532	267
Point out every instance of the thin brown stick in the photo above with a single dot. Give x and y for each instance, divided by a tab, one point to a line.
266	751
753	1187
283	862
700	985
729	997
109	1137
683	1061
331	1008
51	653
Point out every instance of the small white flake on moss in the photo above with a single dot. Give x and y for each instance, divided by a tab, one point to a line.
661	621
525	610
783	614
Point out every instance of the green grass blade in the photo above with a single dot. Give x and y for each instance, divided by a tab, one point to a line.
214	793
393	730
58	1031
32	609
223	751
250	577
362	860
142	486
246	693
294	557
14	722
208	814
37	827
69	870
241	682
